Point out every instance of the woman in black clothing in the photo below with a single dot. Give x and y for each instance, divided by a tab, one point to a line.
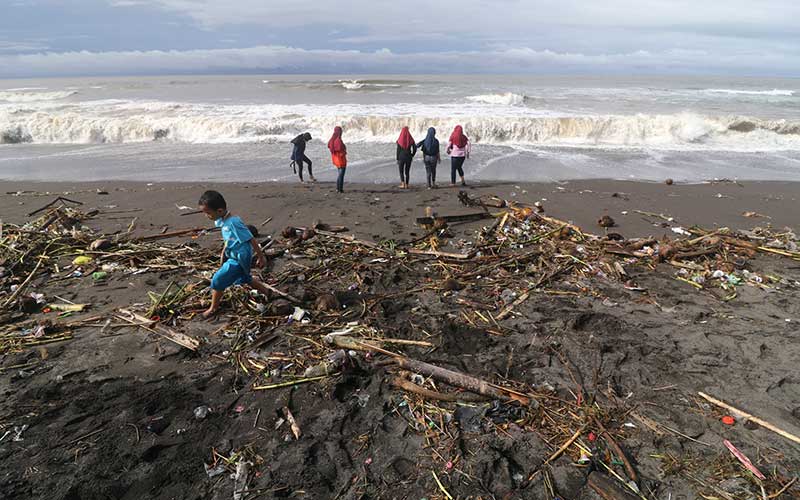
299	155
431	157
406	149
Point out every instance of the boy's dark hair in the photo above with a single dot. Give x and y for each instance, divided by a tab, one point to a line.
212	200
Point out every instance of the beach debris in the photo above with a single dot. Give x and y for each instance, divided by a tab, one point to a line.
240	479
101	244
606	221
668	182
745	415
81	260
292	422
201	412
743	459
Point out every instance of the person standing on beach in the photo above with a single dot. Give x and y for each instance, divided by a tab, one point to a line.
458	148
237	253
430	156
299	155
406	149
338	156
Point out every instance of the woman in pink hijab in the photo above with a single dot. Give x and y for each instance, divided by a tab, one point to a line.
406	149
338	156
458	148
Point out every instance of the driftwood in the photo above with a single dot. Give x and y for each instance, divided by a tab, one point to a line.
59	199
454	378
607	488
462	380
742	414
437	253
170	234
409	386
618	450
161	330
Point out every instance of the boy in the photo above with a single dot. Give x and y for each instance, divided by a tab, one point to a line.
237	253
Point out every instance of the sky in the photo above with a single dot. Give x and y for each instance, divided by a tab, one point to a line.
128	37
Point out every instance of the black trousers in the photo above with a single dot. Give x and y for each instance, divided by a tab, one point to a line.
340	180
456	165
430	172
299	164
405	170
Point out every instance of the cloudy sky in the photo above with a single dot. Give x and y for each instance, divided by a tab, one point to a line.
108	37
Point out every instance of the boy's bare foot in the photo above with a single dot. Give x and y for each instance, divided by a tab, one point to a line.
208	313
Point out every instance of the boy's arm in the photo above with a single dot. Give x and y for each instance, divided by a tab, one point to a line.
260	260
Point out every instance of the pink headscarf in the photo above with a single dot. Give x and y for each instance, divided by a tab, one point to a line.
457	138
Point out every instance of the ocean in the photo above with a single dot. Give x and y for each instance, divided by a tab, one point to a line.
523	128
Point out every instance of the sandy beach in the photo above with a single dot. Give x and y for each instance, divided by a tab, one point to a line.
632	353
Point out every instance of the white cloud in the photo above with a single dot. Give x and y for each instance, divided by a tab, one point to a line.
478	16
289	59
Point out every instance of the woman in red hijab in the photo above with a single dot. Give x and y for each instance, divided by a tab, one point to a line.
406	149
458	148
338	156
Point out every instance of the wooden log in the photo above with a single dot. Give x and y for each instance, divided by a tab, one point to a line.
454	378
618	450
743	414
409	386
462	380
607	488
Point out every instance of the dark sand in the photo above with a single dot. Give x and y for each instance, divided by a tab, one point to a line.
654	357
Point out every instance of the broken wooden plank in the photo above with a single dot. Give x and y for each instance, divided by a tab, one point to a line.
437	253
181	339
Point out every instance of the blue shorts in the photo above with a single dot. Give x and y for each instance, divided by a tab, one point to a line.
231	273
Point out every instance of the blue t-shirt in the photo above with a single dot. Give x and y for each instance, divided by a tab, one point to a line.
237	240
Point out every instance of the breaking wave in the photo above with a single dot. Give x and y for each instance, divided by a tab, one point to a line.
506	99
30	95
773	92
116	121
367	84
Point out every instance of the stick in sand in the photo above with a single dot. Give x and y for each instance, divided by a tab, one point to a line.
746	415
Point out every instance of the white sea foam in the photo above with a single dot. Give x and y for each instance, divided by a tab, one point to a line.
352	84
507	99
25	89
121	121
773	92
28	95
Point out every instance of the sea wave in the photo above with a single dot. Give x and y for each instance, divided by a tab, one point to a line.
117	121
29	95
367	84
507	99
773	92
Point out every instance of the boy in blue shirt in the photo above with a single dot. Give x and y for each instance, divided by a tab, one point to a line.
237	253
